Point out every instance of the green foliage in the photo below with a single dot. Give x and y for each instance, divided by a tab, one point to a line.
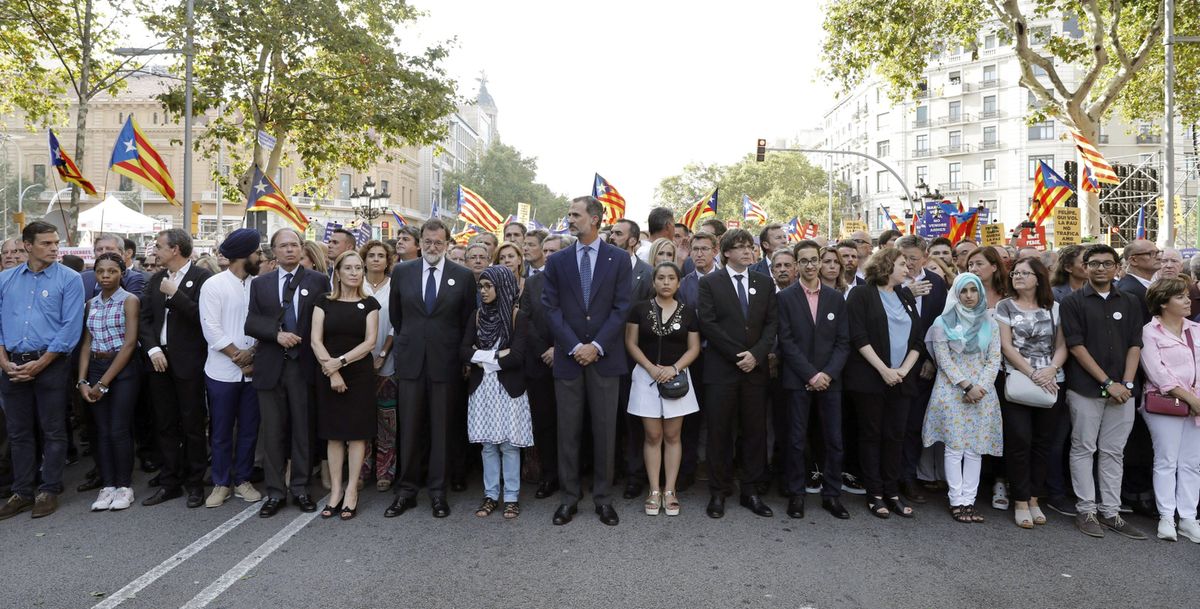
785	184
326	78
503	177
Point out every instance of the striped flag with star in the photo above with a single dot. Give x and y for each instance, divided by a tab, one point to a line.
265	195
704	208
135	158
472	209
962	226
614	203
66	168
1049	189
897	221
1094	161
752	210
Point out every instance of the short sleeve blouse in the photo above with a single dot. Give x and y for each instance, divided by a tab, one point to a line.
646	315
1032	330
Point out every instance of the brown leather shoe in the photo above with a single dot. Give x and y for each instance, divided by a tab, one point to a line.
15	505
45	504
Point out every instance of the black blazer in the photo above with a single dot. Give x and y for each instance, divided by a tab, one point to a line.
805	347
539	337
728	332
263	322
512	366
427	345
185	338
932	305
643	282
1130	285
869	326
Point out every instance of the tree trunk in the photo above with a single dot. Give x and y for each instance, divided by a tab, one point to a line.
1089	202
83	91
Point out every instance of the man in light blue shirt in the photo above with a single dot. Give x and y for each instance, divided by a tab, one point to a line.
41	319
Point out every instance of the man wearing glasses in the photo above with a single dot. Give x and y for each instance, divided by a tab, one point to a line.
1143	260
1103	328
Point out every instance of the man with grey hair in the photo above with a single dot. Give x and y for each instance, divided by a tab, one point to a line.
12	253
133	281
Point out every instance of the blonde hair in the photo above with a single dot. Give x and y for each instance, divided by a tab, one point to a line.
317	253
336	293
658	244
520	256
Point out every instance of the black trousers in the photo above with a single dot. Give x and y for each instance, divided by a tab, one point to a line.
286	431
829	405
690	434
588	396
912	429
425	410
882	418
543	410
728	408
1027	435
181	419
630	435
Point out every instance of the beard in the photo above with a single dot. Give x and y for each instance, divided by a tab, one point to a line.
252	267
433	259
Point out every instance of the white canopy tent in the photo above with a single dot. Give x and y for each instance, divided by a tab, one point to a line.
113	216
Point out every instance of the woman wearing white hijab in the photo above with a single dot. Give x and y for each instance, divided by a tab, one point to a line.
963	414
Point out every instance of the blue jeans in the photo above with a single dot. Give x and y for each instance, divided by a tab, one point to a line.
40	403
492	456
113	415
229	404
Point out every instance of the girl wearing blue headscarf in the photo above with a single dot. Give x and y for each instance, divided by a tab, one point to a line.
964	412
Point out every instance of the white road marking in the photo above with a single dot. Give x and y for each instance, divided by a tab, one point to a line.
132	588
223	583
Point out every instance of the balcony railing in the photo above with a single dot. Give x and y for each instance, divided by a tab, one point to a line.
953	187
1149	138
1103	138
920	153
990	83
984	146
954	149
990	114
923	94
921	124
954	119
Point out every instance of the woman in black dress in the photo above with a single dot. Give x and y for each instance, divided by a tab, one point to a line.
345	323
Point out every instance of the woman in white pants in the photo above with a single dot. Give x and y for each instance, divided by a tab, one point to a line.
1169	357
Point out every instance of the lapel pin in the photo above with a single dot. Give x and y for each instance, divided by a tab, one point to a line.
1117	315
450	281
45	293
304	291
829	317
753	291
189	284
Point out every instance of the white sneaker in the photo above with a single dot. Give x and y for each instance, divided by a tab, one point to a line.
1188	527
247	491
217	497
122	499
104	499
1166	529
1000	495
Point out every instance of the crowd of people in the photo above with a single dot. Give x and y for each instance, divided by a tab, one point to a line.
893	369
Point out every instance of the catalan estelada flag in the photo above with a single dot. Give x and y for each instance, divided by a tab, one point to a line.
399	219
614	203
752	210
897	221
265	195
472	209
134	158
1088	183
1093	160
1048	190
962	226
792	230
704	208
66	167
465	236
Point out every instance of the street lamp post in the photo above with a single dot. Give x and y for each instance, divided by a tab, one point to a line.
361	201
7	139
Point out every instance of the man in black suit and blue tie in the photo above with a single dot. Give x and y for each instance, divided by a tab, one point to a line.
814	341
586	296
739	319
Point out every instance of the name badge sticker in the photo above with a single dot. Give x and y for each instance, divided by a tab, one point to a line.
304	291
450	281
45	293
1117	315
189	284
830	317
361	306
753	291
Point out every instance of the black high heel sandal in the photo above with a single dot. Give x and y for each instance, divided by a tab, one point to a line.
329	510
348	513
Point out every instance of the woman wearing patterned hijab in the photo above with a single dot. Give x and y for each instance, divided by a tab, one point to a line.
498	409
962	414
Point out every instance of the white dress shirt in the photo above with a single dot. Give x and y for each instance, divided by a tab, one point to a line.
382	296
283	284
224	303
745	273
437	275
174	277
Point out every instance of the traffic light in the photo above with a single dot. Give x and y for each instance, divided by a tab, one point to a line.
761	154
195	219
385	230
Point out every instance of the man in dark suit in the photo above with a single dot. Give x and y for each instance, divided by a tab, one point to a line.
1142	259
280	317
626	234
587	306
133	281
813	345
702	255
929	290
770	239
432	300
170	332
539	355
738	318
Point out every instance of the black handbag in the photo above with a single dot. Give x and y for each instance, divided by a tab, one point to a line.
677	386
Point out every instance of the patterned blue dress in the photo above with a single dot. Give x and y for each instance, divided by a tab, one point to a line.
979	427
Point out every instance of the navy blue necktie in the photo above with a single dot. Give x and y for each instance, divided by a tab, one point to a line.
742	296
430	292
289	311
585	276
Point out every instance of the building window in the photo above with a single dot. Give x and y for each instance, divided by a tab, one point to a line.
1042	131
989	106
882	182
126	184
383	186
344	186
922	174
923	143
989	135
881	121
955	174
1035	160
955	110
955	140
120	118
883	149
956	78
988	204
989	73
989	171
39	174
989	41
155	120
922	115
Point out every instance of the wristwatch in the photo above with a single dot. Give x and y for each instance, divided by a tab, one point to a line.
102	388
968	388
81	383
1104	388
1129	385
342	359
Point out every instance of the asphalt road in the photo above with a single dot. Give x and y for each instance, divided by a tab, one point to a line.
75	559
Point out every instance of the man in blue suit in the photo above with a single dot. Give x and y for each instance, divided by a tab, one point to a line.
133	281
586	296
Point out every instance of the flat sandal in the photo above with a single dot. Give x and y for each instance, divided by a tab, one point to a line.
512	509
486	508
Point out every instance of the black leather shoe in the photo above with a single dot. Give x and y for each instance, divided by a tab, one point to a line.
161	495
563	514
399	506
440	508
195	497
270	507
305	503
795	507
150	466
685	482
545	489
913	491
633	489
716	507
755	504
91	483
458	484
153	482
608	515
833	505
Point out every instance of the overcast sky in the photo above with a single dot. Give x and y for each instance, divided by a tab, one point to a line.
636	90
